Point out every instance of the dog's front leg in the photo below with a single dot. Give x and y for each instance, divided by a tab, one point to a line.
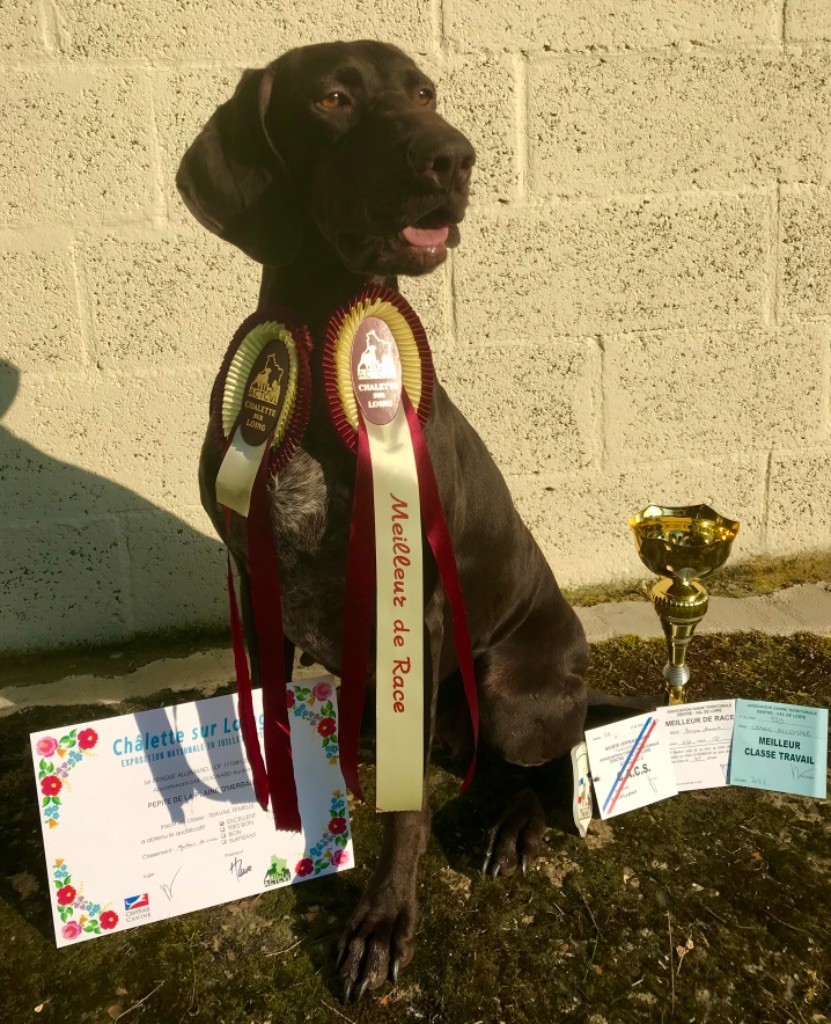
379	938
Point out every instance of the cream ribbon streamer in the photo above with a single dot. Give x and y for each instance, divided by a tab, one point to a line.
237	473
399	669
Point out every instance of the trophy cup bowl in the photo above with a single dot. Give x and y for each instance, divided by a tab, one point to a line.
684	545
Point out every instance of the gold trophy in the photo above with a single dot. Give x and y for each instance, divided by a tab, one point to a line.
684	545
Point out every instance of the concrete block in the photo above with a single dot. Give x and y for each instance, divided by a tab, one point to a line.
799	515
477	94
688	260
617	24
87	444
177	571
254	31
630	122
20	30
40	311
678	393
429	295
579	519
805	218
535	408
156	427
64	583
807	20
82	148
163	303
51	439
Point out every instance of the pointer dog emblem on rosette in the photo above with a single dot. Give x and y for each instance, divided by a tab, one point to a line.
378	374
259	411
684	545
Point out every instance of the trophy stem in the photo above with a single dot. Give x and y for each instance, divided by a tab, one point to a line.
680	606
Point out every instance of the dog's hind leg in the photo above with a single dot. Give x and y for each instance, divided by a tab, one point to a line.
532	699
379	937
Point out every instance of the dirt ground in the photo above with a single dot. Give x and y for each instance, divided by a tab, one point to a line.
710	907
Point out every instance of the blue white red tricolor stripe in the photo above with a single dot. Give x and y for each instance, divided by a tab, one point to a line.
631	759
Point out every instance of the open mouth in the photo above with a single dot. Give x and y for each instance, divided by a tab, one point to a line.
425	238
415	249
426	246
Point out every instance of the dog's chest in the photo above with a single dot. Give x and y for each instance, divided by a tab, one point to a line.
311	509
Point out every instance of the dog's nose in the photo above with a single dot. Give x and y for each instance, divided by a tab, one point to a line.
443	163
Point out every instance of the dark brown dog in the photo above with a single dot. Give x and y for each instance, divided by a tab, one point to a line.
332	168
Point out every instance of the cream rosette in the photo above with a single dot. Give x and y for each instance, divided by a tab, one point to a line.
411	348
260	402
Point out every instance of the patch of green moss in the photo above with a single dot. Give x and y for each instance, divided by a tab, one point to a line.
754	577
711	907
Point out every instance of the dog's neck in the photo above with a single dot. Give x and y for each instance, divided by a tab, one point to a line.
314	285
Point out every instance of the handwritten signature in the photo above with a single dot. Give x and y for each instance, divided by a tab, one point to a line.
168	889
237	868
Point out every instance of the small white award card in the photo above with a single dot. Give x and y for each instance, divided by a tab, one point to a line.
783	747
630	764
581	806
153	815
699	736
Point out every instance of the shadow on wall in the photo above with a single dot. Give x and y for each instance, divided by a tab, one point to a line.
86	560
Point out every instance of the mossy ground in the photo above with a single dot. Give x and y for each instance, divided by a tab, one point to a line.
711	907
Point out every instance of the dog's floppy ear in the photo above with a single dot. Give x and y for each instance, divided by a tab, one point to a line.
234	181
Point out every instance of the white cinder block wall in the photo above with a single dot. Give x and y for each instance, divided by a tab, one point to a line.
640	309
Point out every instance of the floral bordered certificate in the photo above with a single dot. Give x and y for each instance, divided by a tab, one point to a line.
153	815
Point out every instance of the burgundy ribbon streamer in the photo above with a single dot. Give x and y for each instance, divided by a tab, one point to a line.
245	705
264	574
360	594
357	614
273	777
438	536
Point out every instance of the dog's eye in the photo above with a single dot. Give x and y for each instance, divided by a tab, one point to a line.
425	96
333	100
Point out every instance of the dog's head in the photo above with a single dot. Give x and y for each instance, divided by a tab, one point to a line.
339	138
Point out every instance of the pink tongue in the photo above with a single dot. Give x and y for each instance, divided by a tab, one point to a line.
425	237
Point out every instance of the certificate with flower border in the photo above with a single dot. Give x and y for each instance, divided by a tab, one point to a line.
153	815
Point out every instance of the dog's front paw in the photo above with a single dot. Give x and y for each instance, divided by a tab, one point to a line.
514	841
378	940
